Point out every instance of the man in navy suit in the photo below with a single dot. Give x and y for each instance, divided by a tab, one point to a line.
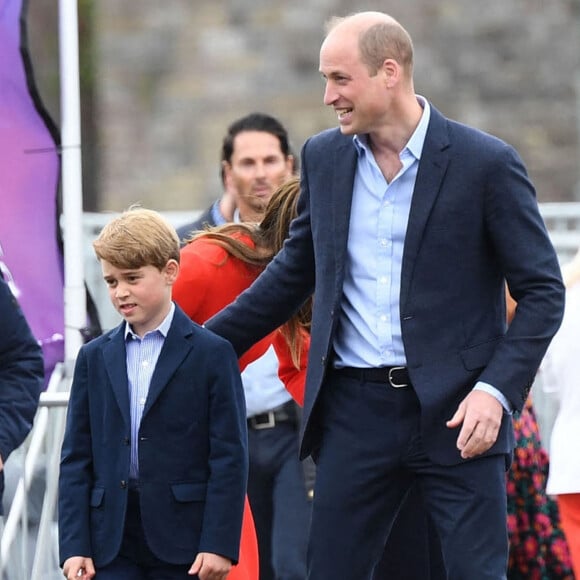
154	458
410	225
21	377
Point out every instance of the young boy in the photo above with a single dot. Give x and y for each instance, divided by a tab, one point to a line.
154	459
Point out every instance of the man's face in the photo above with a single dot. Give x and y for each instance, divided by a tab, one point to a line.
359	99
256	169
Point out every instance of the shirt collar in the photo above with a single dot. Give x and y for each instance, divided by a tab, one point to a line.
415	143
163	328
216	214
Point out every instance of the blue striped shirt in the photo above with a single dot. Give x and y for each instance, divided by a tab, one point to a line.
142	356
263	388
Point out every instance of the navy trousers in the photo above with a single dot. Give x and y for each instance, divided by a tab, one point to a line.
371	455
279	501
413	549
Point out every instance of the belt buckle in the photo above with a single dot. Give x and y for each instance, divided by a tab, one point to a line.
271	422
390	377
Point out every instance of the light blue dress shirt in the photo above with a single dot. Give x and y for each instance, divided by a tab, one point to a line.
369	330
263	389
142	356
216	214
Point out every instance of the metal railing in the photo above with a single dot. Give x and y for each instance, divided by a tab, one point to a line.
32	552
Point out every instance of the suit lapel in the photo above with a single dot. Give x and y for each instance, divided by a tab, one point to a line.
432	168
114	353
344	167
177	345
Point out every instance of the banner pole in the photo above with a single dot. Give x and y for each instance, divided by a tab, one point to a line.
72	217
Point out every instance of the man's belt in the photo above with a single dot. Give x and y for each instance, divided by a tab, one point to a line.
285	413
396	377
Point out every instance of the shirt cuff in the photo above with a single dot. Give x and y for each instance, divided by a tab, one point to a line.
487	388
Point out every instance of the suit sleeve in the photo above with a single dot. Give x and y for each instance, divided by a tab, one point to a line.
531	268
278	292
75	480
21	374
202	289
228	455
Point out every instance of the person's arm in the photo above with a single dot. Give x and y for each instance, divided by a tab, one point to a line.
75	479
21	374
228	452
529	263
530	266
207	282
278	292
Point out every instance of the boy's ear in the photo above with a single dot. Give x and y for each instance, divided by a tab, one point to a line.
171	270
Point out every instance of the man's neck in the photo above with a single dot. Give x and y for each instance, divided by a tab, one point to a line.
248	216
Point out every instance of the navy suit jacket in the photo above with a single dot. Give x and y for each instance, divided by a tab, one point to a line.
474	223
21	376
192	449
204	220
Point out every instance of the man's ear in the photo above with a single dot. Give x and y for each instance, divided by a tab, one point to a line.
392	72
290	165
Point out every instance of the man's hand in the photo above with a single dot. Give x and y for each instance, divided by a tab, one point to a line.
210	566
79	568
481	415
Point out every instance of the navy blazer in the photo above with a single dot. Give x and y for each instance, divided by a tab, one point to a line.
192	449
21	376
474	223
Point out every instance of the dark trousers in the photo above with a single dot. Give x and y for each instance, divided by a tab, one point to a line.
279	502
135	560
371	454
413	550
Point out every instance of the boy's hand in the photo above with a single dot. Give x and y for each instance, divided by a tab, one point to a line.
79	568
210	566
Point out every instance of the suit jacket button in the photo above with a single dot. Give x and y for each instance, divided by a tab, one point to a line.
123	484
126	441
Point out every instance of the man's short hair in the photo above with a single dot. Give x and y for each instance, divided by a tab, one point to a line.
255	122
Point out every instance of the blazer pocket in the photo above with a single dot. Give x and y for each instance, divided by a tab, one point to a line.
476	357
97	495
187	492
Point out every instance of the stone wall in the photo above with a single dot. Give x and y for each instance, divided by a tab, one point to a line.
170	76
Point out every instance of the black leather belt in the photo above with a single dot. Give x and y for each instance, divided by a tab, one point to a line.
286	413
397	377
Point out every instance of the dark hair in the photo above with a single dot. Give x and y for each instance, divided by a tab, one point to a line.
254	122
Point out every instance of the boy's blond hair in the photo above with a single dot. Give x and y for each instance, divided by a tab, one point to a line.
136	238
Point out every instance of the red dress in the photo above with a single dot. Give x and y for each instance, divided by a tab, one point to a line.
210	279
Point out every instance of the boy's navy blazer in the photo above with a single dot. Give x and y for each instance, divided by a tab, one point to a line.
474	223
192	449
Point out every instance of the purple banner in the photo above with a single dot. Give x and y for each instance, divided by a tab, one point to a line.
30	257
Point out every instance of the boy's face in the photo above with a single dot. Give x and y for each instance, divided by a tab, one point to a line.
141	296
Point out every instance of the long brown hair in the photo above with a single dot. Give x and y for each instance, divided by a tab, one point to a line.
267	240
